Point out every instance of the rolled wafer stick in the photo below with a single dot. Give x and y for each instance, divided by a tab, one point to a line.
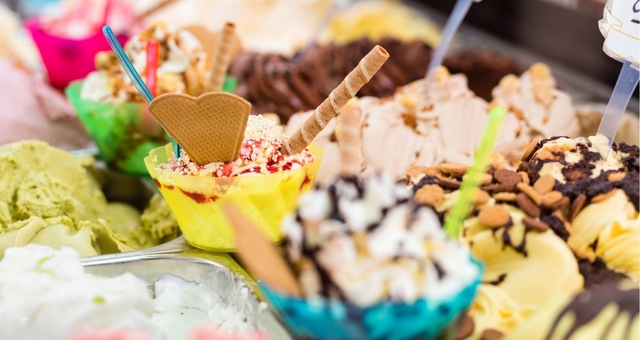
222	57
331	106
349	139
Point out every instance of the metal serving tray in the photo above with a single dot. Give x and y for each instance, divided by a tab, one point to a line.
177	258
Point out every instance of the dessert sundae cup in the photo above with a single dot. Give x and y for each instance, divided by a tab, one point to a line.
123	132
371	264
264	190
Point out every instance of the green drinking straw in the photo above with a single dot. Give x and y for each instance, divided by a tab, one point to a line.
471	181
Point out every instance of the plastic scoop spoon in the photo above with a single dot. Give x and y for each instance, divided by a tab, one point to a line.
622	92
131	72
619	26
259	255
336	6
450	29
471	181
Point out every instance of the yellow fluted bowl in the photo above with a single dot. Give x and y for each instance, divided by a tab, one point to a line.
197	201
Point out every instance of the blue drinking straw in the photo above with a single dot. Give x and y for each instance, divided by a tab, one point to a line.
140	86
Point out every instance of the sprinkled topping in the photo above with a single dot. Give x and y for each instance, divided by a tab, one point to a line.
260	127
259	154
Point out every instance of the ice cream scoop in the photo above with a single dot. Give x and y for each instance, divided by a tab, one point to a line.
49	198
536	99
570	208
371	264
259	153
514	236
602	184
183	67
287	85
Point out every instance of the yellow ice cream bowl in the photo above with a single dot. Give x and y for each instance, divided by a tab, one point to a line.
197	201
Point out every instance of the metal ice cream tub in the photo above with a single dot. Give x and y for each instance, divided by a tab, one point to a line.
217	271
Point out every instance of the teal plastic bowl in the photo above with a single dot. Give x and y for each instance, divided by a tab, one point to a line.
333	319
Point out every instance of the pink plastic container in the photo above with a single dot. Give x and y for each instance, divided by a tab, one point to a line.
67	59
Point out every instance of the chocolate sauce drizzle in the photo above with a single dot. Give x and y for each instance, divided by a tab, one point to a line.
337	191
507	242
578	178
497	281
587	305
597	273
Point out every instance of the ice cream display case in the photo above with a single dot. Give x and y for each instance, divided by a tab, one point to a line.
354	225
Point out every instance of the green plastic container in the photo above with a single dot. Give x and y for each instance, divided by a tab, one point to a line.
123	132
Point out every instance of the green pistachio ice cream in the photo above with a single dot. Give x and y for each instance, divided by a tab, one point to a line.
48	198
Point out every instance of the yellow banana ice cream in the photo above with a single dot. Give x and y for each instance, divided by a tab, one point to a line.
519	238
378	19
494	309
514	251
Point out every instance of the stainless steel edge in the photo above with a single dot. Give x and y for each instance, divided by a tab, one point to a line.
197	266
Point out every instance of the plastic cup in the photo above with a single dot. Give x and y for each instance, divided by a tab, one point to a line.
322	318
67	59
197	201
123	132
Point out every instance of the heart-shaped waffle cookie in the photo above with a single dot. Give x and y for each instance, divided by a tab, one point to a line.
210	128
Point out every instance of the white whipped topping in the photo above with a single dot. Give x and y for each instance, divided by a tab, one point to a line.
184	54
46	292
259	154
374	243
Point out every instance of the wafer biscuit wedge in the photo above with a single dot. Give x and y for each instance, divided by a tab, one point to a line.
209	128
330	107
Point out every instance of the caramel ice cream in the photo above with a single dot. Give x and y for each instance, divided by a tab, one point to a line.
535	98
517	235
602	184
183	67
420	127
